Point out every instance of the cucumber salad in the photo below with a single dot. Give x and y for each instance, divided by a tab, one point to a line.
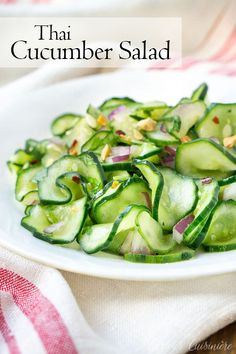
147	181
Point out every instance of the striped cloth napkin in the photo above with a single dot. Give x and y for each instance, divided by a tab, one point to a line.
45	311
38	313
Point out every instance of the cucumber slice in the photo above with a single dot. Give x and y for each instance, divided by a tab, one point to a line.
229	192
226	181
120	175
24	182
122	121
36	148
50	157
99	237
180	254
27	209
108	190
151	232
152	110
138	244
127	242
228	188
96	238
56	224
221	228
115	246
144	150
52	190
126	219
221	247
178	198
155	181
200	93
108	206
172	124
80	133
112	103
72	182
31	198
208	197
99	139
53	152
47	151
189	113
161	137
13	167
117	166
63	123
93	111
21	158
219	121
204	158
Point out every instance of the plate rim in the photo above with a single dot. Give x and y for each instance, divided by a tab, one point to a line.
128	276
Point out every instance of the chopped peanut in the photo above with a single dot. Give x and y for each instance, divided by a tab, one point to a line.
106	151
230	141
185	139
101	120
114	184
147	124
137	135
73	150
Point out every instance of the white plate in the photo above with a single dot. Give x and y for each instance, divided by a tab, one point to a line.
31	116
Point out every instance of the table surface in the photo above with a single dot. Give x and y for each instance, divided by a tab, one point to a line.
221	342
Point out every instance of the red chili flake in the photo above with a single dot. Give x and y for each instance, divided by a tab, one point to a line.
33	162
72	149
76	179
120	132
216	120
74	144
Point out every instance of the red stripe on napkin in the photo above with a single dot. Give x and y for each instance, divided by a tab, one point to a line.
8	335
230	41
40	311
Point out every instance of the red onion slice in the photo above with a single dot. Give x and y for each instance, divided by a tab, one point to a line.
119	154
206	180
120	150
168	161
170	150
120	158
54	227
117	110
180	227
